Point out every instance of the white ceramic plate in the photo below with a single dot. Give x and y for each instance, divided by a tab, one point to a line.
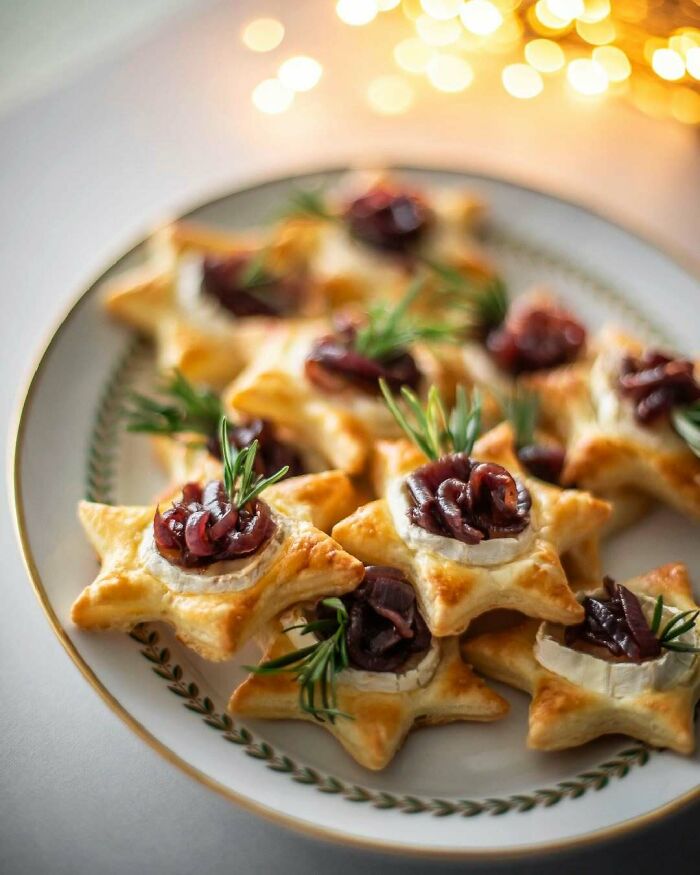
465	789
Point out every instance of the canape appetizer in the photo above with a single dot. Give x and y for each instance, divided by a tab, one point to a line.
631	666
366	667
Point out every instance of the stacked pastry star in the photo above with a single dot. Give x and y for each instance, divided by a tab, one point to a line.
368	448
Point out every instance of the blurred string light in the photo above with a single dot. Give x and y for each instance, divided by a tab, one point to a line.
272	97
263	34
646	50
300	73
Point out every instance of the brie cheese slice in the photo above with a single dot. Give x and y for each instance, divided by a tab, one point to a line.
617	679
494	551
417	673
231	575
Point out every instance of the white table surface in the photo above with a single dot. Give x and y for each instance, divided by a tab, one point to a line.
83	169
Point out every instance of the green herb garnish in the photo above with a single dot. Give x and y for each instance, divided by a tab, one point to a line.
676	626
389	328
317	666
256	273
183	408
686	421
521	409
308	202
485	303
431	428
242	484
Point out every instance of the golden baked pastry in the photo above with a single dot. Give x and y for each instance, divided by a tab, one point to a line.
566	714
214	617
452	593
607	448
192	332
377	722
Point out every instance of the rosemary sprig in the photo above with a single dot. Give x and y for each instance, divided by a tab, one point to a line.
432	428
317	666
521	409
309	203
686	421
486	303
183	408
678	625
241	483
256	273
389	328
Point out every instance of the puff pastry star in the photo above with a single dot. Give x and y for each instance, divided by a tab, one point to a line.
381	721
564	714
340	426
450	593
204	342
306	565
606	448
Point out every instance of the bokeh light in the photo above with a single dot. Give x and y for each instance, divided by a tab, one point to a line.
442	9
481	17
587	77
390	95
413	55
263	34
357	12
272	97
449	73
692	62
544	15
437	33
614	61
598	33
668	64
594	10
565	10
300	73
386	5
545	55
522	81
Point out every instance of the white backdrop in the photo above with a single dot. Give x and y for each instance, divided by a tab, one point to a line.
124	134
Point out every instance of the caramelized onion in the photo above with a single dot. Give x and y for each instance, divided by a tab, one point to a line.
616	624
388	219
470	501
204	527
656	383
224	279
333	364
385	627
536	337
543	461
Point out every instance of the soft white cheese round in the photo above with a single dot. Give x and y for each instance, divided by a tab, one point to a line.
231	575
614	412
494	551
617	679
417	673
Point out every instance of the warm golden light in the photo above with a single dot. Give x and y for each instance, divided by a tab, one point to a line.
595	10
437	33
685	106
386	5
614	61
481	17
390	95
263	34
449	73
272	97
521	80
668	64
300	73
587	77
545	16
598	34
565	9
544	55
692	62
357	12
442	9
413	55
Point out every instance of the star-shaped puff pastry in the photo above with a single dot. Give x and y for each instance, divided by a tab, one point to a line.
606	449
450	593
381	721
340	426
201	339
564	714
306	565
